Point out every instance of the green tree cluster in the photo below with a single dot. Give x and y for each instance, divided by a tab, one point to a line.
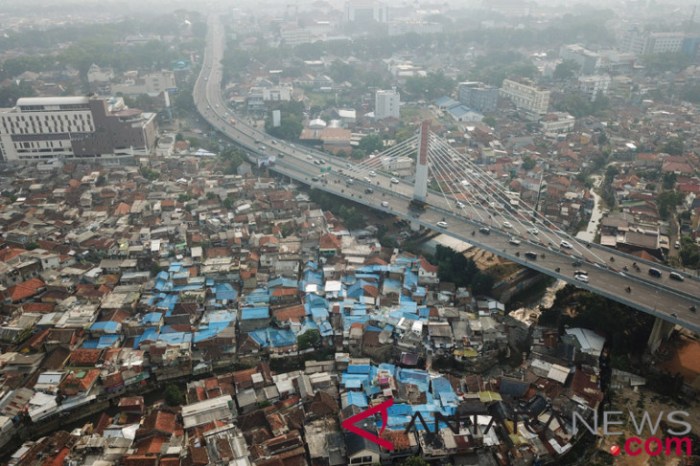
579	104
371	143
626	329
454	267
567	69
690	253
290	122
309	339
351	215
429	87
173	395
232	158
667	202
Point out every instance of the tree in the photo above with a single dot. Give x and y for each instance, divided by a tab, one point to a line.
673	146
10	94
528	163
173	395
669	180
690	253
309	339
667	202
489	120
371	143
414	461
565	70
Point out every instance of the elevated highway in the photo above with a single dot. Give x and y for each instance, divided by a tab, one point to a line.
610	273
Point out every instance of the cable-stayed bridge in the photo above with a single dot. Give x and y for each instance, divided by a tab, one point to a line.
450	193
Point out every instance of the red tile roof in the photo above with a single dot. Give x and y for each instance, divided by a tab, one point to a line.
25	290
85	357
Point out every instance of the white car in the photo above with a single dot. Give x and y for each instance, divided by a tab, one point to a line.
507	225
372	173
514	241
581	277
385	204
460	204
442	224
533	231
395	181
566	245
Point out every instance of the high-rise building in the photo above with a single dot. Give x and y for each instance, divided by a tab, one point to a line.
365	11
526	96
386	104
478	96
40	128
645	43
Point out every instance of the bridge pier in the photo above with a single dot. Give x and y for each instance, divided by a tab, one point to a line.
662	330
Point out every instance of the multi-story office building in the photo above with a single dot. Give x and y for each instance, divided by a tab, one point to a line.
364	11
478	96
526	96
644	42
593	86
386	104
40	128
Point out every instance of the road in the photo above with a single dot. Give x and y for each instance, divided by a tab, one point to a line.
662	297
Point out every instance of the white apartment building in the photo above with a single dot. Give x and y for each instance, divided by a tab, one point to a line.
42	128
526	96
594	85
386	104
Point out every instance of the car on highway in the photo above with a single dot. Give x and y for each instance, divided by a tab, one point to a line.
349	181
369	190
533	231
514	241
577	263
460	204
565	244
531	255
372	173
314	178
485	230
654	272
394	181
507	224
442	224
676	276
582	277
385	204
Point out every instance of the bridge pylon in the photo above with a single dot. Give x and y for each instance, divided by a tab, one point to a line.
420	187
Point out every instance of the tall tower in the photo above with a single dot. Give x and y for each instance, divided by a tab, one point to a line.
420	187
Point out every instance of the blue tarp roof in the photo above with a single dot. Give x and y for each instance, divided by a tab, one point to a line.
282	282
258	296
319	314
105	341
250	313
150	334
358	399
107	326
151	318
273	338
225	291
